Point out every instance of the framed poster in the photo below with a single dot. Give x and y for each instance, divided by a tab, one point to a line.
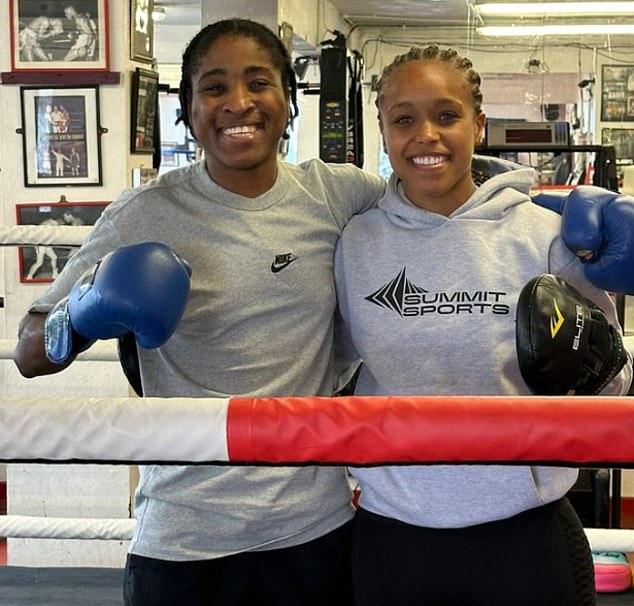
141	30
617	93
59	35
623	141
43	263
61	136
144	111
142	175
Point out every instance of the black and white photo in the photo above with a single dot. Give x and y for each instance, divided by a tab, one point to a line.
44	263
59	35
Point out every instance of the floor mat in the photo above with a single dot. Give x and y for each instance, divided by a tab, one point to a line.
616	599
26	586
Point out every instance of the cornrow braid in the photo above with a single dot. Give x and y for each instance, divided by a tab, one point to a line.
434	53
262	35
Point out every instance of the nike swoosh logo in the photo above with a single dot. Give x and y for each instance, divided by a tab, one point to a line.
277	267
555	325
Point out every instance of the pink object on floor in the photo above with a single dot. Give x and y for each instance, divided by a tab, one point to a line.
612	572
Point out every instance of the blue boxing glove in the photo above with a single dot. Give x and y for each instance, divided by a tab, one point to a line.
598	226
551	201
141	288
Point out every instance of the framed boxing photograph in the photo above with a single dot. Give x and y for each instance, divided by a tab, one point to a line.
617	93
44	263
59	35
144	127
61	136
623	141
141	30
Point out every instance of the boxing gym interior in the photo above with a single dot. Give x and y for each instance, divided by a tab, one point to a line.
558	84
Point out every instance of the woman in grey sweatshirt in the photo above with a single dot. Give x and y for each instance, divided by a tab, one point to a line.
427	285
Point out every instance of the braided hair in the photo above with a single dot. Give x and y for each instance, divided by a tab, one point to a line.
262	35
434	52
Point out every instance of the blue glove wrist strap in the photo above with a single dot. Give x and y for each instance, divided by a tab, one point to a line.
61	342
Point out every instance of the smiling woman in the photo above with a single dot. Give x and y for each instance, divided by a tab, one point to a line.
429	136
451	267
237	108
259	236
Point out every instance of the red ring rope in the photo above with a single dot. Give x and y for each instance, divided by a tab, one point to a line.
432	429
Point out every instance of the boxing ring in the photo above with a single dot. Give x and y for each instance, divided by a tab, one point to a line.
591	431
371	430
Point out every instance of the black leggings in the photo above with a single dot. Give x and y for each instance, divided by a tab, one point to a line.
316	573
540	557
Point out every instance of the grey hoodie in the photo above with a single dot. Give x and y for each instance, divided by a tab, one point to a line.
429	303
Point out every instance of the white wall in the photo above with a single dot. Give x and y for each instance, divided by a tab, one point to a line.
312	20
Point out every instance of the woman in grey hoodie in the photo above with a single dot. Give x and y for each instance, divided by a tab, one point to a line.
427	285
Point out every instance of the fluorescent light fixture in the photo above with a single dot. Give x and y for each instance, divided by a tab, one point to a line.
554	8
592	29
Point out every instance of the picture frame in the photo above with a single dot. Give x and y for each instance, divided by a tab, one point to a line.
59	35
39	264
141	30
61	136
617	93
142	175
144	127
622	139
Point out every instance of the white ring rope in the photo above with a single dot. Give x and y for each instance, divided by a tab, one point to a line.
122	529
43	235
611	539
118	430
102	351
35	527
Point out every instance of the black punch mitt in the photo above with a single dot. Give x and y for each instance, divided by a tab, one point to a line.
565	344
129	358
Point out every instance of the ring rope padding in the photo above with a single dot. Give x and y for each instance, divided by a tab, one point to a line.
357	430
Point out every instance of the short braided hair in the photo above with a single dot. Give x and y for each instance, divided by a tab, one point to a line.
434	53
246	28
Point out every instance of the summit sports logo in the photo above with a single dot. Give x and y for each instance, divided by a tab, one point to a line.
408	299
392	294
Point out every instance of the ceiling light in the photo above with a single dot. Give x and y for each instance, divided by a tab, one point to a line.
597	29
554	8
